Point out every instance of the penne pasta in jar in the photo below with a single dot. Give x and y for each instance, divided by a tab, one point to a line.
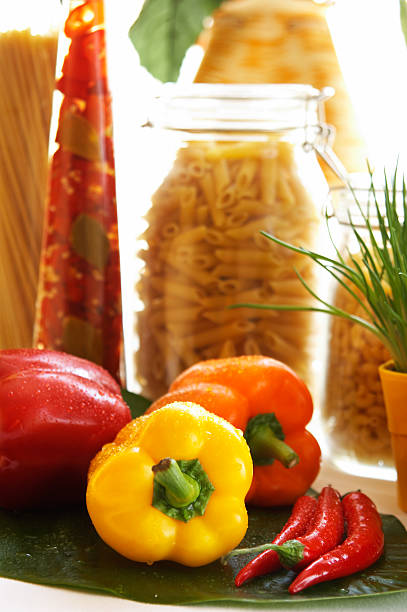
354	411
354	422
224	187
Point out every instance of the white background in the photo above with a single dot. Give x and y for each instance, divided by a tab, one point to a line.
370	48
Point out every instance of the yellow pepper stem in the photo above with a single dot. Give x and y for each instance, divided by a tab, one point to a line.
265	438
180	488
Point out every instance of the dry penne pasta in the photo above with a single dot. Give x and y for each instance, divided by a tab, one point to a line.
204	261
284	190
170	303
246	173
223	316
214	351
262	242
171	315
217	238
177	289
185	272
251	346
191	236
241	150
187	203
245	272
202	214
252	206
268	180
248	229
286	287
221	175
231	286
169	230
187	354
226	198
235	219
280	329
207	185
196	167
228	349
214	256
354	413
234	256
232	330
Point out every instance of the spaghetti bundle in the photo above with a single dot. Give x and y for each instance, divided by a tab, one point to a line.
205	252
27	70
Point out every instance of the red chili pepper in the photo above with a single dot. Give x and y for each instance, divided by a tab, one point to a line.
325	533
267	561
362	547
56	413
84	18
80	62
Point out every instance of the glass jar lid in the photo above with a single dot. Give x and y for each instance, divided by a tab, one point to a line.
364	196
231	107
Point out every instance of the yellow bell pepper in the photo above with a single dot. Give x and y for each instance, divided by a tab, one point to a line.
172	486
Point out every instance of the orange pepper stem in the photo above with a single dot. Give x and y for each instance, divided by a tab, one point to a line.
265	438
180	489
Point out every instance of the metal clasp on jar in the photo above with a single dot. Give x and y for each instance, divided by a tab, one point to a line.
321	143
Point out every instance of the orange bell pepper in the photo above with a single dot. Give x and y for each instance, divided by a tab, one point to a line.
272	406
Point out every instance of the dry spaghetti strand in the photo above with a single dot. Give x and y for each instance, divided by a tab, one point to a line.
27	70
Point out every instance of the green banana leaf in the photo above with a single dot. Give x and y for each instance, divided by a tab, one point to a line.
63	549
137	403
164	31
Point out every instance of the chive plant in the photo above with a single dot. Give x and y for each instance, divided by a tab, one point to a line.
376	278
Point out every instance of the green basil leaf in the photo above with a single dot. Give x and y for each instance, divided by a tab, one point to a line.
89	240
81	338
164	31
63	549
137	403
77	135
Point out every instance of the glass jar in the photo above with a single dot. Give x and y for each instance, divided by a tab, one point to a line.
28	50
79	295
230	162
280	41
354	425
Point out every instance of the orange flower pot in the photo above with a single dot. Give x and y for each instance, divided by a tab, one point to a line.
394	386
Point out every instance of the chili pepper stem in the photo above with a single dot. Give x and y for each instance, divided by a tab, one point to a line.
265	438
289	553
246	551
180	488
